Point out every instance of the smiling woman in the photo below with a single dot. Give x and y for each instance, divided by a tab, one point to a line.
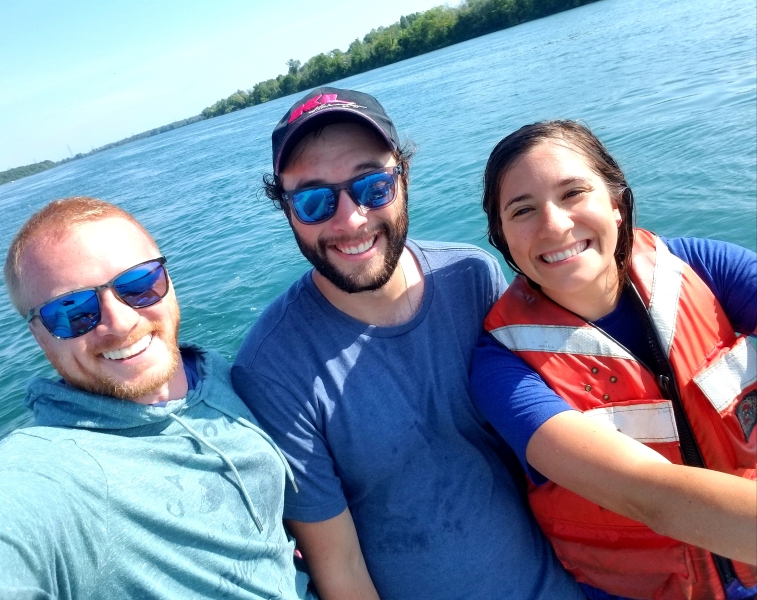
606	368
549	191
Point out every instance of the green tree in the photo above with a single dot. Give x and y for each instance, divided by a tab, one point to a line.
294	66
412	35
289	83
430	31
265	91
358	57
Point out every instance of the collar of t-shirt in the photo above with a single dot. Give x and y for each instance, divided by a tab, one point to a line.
624	325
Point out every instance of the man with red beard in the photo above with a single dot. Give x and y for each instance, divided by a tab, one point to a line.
144	476
360	373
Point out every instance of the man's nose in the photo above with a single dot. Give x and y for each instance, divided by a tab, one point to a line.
349	216
116	317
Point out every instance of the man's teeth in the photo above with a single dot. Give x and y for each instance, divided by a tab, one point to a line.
135	348
558	256
356	249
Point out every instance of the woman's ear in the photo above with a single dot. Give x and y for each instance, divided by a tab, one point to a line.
616	212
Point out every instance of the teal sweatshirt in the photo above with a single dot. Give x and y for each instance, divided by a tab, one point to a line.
107	498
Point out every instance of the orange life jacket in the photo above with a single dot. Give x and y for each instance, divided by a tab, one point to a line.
716	375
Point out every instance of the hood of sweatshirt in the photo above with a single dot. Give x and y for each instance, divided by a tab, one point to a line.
57	404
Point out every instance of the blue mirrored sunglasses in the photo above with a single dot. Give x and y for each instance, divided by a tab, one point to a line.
75	313
371	191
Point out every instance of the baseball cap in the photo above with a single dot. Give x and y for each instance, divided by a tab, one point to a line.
324	106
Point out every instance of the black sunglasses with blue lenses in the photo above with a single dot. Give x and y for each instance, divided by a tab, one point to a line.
75	313
371	191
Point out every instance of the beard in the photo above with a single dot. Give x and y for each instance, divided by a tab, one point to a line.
99	382
362	281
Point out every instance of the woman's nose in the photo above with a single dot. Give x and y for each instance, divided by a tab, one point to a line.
554	220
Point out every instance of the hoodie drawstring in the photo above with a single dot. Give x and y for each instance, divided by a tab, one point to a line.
245	423
229	464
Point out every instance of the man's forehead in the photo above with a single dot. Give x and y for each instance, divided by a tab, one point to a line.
107	233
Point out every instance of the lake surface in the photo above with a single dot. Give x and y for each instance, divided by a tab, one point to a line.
670	86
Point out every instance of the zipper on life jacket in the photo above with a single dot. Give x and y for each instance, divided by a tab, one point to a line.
688	444
690	452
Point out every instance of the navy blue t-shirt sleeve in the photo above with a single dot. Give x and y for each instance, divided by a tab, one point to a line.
512	397
730	271
189	360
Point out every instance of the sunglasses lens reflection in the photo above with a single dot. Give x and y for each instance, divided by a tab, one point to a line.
77	313
142	286
319	204
72	315
374	191
313	206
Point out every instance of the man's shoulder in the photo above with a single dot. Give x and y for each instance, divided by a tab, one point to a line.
47	458
46	443
281	319
457	266
53	504
444	253
290	302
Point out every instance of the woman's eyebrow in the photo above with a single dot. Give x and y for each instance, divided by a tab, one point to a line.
517	199
569	180
561	183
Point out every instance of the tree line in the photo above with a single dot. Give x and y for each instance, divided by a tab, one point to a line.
411	36
26	170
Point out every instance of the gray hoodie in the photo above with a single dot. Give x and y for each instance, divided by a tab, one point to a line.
107	498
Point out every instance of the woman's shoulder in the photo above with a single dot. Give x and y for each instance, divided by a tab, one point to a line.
708	253
729	270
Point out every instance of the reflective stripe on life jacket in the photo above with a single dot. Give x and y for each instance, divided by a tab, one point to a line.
715	373
652	423
734	371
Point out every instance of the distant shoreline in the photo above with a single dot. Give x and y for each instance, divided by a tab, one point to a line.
18	172
413	35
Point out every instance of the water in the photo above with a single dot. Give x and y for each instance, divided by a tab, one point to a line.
668	85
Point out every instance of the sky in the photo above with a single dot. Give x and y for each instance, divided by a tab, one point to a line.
78	74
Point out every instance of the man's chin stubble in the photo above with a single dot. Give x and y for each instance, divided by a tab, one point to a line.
396	237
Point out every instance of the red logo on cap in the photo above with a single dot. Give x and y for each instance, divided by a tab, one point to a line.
317	102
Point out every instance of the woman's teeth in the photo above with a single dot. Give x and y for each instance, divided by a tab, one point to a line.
135	348
558	256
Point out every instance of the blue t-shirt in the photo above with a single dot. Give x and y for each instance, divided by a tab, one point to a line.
379	419
517	401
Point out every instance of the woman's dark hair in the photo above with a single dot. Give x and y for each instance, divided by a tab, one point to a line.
576	137
273	189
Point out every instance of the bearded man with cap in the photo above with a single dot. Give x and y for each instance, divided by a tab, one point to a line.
359	371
